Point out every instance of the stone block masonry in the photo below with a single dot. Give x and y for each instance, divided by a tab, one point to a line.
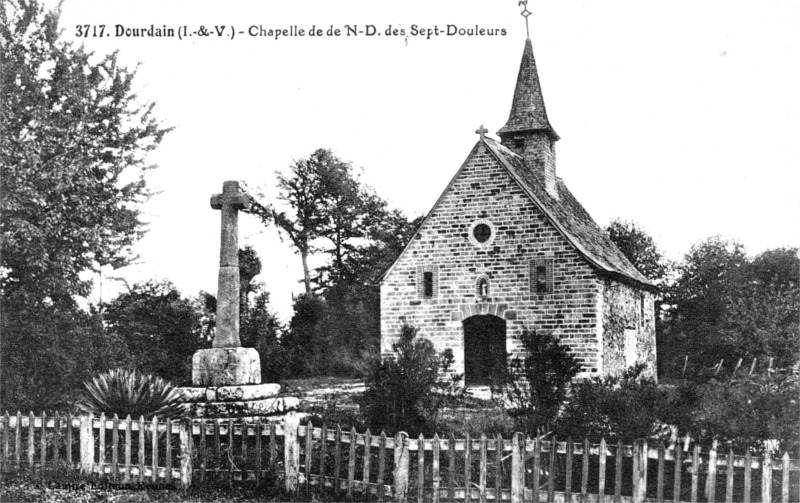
483	190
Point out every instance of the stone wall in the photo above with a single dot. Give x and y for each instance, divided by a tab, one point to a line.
483	192
629	333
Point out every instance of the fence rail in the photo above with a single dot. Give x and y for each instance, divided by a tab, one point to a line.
307	457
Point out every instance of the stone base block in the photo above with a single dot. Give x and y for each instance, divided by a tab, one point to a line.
226	367
265	407
230	393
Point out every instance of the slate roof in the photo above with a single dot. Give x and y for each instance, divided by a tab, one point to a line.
566	214
527	115
569	217
527	108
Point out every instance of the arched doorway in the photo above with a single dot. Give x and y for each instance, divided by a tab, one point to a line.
484	348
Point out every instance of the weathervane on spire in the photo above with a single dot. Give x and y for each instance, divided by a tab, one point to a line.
525	13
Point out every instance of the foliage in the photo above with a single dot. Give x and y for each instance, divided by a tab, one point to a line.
72	157
640	248
535	387
763	322
749	411
407	390
129	392
72	161
259	329
69	486
624	407
160	329
306	340
724	305
328	211
47	353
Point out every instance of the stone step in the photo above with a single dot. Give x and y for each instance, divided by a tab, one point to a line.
229	393
262	407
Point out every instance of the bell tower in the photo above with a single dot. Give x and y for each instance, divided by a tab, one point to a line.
528	132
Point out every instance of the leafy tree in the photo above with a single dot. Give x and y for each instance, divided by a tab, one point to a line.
72	157
707	277
160	329
307	193
353	213
640	248
331	212
71	176
726	306
536	386
407	391
779	268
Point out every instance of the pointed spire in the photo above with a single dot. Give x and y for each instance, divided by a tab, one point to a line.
527	109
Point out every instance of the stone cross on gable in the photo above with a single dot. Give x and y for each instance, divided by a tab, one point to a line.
230	202
481	131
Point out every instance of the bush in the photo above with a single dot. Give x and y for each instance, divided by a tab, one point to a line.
624	407
536	387
129	392
749	411
407	391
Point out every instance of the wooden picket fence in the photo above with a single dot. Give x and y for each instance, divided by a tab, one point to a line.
345	462
740	367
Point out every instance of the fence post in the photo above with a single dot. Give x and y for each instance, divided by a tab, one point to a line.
186	454
766	476
518	468
711	478
400	474
291	451
87	443
639	470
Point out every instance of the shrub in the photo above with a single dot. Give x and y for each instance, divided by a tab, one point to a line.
407	391
749	411
536	387
129	392
624	407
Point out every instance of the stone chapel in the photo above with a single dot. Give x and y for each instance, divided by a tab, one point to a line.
507	247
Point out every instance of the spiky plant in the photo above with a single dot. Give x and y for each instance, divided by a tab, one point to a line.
129	392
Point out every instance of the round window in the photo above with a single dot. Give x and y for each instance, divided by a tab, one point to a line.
482	233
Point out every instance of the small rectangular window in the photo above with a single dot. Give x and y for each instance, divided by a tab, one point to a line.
427	281
541	279
541	271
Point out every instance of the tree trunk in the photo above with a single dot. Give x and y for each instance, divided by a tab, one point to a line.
306	274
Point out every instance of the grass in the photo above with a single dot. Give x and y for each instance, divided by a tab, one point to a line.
67	487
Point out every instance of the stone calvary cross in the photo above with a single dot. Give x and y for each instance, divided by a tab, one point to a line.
227	363
230	202
226	378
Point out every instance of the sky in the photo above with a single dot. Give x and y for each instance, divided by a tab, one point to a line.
682	116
